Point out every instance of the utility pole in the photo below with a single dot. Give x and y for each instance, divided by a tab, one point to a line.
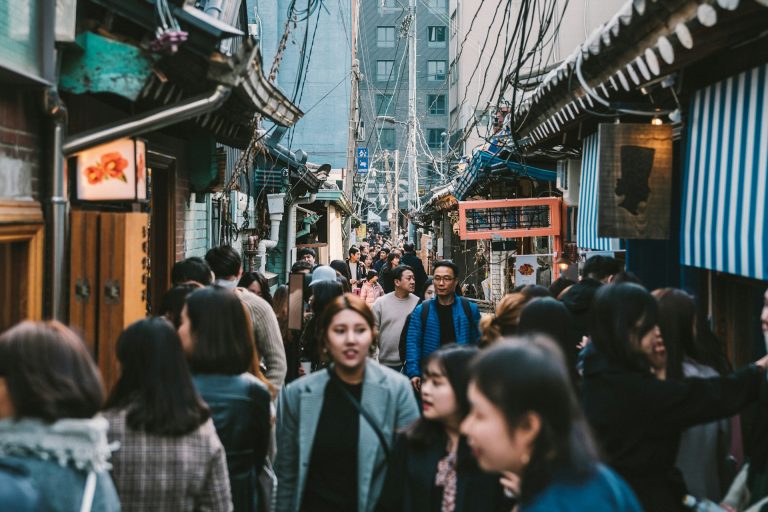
396	201
353	117
411	152
388	181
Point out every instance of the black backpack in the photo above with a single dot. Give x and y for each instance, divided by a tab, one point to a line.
424	312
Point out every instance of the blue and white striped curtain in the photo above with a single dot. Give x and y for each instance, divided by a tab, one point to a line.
724	225
586	223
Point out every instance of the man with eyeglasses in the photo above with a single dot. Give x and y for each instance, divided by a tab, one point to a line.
446	319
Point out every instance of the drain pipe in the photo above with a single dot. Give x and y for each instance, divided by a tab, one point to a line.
276	207
290	237
149	121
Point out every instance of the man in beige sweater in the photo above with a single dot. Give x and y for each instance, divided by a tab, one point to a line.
391	311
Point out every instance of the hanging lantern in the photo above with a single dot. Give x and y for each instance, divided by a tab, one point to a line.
116	171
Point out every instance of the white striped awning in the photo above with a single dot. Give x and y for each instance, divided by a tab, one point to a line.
724	224
586	223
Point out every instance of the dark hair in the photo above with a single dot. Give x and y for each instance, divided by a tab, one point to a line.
155	385
323	293
599	267
305	251
385	249
677	318
625	277
371	274
339	304
224	261
344	282
353	250
280	307
340	267
221	332
191	269
397	272
549	316
528	375
301	265
446	263
363	258
560	284
454	362
621	315
532	291
391	257
173	302
409	247
429	282
256	277
49	373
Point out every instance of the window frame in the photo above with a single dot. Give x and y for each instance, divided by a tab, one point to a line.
435	77
380	99
432	100
439	132
387	74
385	43
393	133
437	43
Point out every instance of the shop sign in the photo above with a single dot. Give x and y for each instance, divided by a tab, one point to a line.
115	171
635	181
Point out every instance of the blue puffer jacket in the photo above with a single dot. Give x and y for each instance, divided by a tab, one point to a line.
418	347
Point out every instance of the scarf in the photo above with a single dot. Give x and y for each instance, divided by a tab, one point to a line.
446	478
79	443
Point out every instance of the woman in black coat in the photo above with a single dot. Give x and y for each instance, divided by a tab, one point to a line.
431	467
386	279
637	417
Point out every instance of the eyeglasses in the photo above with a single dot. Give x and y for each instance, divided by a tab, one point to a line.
443	279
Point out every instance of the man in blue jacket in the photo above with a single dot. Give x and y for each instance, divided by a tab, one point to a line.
441	321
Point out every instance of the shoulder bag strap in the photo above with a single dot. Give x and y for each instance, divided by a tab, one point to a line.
88	492
360	409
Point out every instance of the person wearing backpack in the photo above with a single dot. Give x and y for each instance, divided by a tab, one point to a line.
391	312
446	319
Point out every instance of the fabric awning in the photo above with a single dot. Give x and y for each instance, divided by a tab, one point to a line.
483	160
725	188
586	222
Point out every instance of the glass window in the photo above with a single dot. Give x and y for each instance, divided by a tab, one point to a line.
388	4
387	138
19	39
384	69
384	104
436	104
436	70
435	138
436	37
437	4
385	37
453	73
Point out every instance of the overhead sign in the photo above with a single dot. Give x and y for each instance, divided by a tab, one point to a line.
362	160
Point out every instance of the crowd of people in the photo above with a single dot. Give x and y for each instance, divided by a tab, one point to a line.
395	395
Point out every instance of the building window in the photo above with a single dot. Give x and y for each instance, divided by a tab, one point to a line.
387	138
436	104
384	69
388	4
454	25
435	138
385	37
436	37
384	104
437	4
436	70
454	75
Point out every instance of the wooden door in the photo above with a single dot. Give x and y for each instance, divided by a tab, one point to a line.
84	276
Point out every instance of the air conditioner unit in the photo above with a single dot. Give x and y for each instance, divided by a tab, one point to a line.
568	176
361	131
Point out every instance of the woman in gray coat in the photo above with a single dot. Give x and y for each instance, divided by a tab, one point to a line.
336	427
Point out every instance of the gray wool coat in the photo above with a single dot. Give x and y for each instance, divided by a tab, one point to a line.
386	395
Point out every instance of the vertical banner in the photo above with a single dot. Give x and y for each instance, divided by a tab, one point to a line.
526	268
635	181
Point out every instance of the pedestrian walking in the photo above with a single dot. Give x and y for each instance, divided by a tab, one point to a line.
194	270
637	417
387	279
383	253
217	336
412	260
429	289
505	320
524	419
371	289
597	271
323	293
173	302
441	321
226	264
256	283
307	254
391	313
290	338
356	269
170	457
432	467
50	393
336	427
692	351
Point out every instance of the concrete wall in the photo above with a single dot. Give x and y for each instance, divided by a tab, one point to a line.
196	227
323	131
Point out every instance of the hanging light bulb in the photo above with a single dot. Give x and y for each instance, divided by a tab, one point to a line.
656	121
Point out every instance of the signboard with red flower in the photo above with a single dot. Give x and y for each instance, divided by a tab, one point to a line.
115	171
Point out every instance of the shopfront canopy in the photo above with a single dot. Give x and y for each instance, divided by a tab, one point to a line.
487	164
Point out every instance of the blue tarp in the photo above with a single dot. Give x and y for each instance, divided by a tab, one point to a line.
483	160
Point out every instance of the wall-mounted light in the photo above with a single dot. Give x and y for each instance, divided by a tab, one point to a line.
562	264
116	171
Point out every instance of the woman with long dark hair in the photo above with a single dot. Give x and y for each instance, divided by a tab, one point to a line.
170	457
524	419
255	282
217	336
637	417
386	278
432	467
336	427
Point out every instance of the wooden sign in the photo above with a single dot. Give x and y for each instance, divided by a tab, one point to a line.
635	181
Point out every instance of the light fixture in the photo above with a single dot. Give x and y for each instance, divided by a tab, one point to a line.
562	264
656	121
